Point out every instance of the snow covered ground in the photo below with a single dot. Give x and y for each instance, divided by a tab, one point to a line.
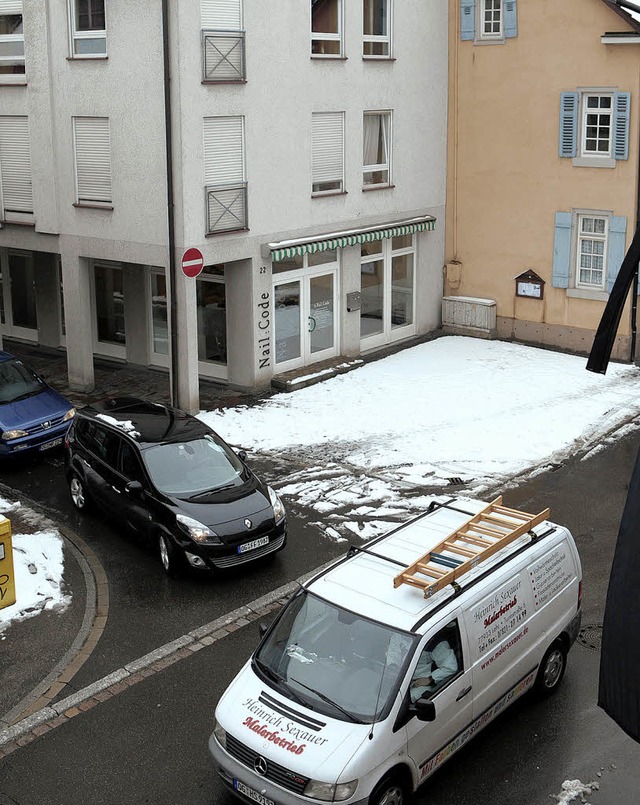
367	448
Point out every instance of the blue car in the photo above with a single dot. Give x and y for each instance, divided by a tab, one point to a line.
33	416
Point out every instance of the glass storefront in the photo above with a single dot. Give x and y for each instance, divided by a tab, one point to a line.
304	308
109	296
23	296
387	284
211	302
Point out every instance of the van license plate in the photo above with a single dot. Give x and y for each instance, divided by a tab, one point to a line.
254	796
256	543
54	443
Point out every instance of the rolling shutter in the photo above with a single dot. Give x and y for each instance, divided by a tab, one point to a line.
328	147
568	124
561	250
93	159
622	101
15	165
223	150
467	19
221	15
10	6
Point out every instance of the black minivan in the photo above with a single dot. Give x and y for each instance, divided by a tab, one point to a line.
173	481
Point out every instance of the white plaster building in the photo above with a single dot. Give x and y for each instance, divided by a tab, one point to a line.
308	145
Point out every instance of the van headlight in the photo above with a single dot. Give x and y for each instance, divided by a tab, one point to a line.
220	734
330	792
278	505
197	531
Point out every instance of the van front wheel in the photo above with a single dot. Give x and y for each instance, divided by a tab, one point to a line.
552	669
388	792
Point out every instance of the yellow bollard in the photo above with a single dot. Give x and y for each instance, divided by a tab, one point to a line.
7	580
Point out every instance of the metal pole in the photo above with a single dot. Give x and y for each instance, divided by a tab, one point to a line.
173	310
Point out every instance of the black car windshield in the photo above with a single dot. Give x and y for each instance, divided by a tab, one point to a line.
17	381
341	664
186	468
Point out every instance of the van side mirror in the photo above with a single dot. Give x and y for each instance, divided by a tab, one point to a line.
425	710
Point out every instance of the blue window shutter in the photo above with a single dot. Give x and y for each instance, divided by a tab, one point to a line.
467	19
561	250
568	124
616	249
510	18
622	101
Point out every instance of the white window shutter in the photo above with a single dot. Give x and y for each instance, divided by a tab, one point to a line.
221	15
93	159
15	164
223	150
328	147
10	6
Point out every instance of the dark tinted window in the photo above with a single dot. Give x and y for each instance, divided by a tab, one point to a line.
98	440
130	465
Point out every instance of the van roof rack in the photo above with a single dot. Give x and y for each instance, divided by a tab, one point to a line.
485	533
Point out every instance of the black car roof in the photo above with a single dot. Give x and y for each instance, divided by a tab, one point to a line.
146	422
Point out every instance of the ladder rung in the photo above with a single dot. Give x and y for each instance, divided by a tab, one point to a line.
468	552
436	572
489	532
475	540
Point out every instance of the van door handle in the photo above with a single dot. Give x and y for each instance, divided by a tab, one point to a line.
463	693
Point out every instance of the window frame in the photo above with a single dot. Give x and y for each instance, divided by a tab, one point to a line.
585	111
76	35
87	202
327	36
580	237
19	77
225	176
386	117
17	216
373	39
327	191
482	19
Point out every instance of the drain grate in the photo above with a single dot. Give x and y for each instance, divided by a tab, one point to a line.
455	481
591	636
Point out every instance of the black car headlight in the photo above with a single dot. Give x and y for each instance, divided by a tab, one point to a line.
278	506
197	531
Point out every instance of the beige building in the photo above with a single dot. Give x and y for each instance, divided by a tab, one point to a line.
543	168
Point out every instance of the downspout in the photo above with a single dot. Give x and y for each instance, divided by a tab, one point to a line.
173	310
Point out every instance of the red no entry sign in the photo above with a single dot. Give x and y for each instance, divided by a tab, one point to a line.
192	262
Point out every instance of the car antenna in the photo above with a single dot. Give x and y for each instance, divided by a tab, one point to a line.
375	711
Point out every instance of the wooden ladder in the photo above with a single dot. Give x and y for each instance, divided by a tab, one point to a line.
487	532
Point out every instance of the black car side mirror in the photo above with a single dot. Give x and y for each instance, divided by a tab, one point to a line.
242	455
262	629
134	488
425	710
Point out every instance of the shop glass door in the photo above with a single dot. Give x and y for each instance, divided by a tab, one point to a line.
111	337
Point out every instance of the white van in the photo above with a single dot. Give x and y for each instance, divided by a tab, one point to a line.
383	665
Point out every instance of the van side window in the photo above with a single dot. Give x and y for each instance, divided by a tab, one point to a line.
440	661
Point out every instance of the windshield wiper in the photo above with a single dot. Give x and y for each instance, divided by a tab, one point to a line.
274	677
210	491
326	699
24	395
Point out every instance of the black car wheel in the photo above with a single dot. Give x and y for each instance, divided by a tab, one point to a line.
78	492
169	555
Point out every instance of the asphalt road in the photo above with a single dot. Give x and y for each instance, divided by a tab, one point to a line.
148	743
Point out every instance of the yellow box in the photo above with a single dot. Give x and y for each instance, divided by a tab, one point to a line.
7	579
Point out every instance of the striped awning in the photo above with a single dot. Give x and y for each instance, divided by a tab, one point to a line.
350	237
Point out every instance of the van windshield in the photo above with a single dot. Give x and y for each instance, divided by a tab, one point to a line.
334	661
